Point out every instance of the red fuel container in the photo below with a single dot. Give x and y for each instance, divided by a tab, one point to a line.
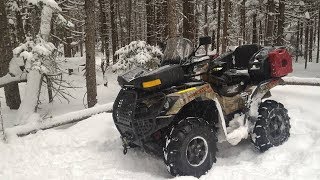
280	62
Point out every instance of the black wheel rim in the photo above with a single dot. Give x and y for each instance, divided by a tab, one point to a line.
197	151
276	126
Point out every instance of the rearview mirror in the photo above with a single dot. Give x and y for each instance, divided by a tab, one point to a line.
205	40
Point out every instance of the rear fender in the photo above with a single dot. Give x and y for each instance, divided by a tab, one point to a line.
255	100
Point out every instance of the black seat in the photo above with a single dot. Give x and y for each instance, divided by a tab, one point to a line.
234	76
243	54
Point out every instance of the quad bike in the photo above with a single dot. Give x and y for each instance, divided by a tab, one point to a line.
179	109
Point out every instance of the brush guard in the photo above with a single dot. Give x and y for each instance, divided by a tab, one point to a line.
135	116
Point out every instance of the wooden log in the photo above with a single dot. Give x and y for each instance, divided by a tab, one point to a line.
54	122
301	81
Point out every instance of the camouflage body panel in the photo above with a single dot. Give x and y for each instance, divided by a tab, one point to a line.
205	92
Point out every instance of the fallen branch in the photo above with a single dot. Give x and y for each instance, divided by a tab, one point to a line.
302	81
65	119
7	79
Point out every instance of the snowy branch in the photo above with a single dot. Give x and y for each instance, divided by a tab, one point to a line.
7	79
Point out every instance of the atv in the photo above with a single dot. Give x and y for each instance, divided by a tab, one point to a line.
179	109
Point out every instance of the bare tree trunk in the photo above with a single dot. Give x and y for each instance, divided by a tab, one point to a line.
20	29
260	33
159	23
81	43
129	20
121	38
206	25
225	25
164	8
104	30
113	30
311	41
306	47
11	90
318	47
172	18
301	36
297	43
67	46
135	22
213	44
270	23
219	26
90	53
189	20
243	22
254	29
280	36
151	35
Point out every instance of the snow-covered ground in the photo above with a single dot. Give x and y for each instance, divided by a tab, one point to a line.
91	149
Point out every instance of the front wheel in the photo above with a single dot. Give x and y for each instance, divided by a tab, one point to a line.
190	148
272	127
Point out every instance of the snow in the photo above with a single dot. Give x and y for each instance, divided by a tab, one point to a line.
30	101
307	15
92	149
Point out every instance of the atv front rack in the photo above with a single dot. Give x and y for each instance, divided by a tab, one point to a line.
135	115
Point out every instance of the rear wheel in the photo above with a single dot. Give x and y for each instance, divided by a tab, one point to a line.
272	127
190	148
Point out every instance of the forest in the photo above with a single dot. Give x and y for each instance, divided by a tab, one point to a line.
107	26
68	110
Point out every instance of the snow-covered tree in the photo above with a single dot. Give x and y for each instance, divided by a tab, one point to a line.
34	58
137	53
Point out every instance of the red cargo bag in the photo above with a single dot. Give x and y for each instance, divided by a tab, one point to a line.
280	62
